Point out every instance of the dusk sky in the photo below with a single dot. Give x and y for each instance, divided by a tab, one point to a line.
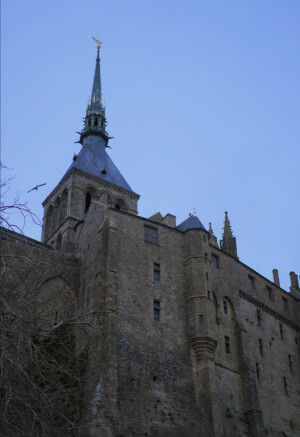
202	99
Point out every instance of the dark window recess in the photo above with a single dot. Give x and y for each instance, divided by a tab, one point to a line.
261	351
96	122
88	200
227	344
285	385
225	306
281	331
156	310
150	234
270	293
290	363
89	122
156	272
201	318
205	256
285	304
258	314
257	370
251	281
215	261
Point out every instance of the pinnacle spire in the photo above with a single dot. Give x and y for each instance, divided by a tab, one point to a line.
95	121
227	232
228	242
212	238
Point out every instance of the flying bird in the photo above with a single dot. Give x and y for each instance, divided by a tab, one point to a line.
36	187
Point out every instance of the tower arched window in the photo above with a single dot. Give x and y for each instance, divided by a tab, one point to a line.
89	122
88	200
120	205
96	122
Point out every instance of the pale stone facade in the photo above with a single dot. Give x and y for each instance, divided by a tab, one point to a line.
187	340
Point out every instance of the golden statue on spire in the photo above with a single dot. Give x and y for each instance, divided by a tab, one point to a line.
98	42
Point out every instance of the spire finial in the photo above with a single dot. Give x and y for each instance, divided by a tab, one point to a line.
98	43
227	233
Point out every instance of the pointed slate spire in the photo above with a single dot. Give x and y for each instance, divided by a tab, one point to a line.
95	121
228	242
212	238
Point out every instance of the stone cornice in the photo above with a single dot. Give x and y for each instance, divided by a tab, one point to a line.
269	310
93	178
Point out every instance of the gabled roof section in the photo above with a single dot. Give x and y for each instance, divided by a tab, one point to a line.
190	223
94	160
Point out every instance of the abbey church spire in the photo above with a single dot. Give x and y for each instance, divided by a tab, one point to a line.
95	121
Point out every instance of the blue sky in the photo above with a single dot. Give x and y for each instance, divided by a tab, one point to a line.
202	100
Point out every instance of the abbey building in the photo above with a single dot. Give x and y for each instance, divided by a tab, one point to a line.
184	339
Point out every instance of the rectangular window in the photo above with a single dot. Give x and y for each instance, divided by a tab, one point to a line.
227	344
201	319
270	293
250	281
156	272
215	261
285	304
261	351
156	310
150	234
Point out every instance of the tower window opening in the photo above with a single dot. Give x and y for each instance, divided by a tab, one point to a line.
89	122
96	122
88	200
225	306
227	344
261	351
201	318
156	310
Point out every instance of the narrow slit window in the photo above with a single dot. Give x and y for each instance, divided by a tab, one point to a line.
88	200
201	319
261	350
156	310
258	315
156	272
290	363
285	385
281	330
251	282
225	306
227	344
270	293
257	370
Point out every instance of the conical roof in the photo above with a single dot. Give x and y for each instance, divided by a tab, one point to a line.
190	223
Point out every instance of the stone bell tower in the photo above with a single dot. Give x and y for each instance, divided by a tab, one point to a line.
91	177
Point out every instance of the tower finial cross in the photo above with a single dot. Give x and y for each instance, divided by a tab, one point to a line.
98	42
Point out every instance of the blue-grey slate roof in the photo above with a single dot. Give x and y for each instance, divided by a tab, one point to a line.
190	223
94	160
